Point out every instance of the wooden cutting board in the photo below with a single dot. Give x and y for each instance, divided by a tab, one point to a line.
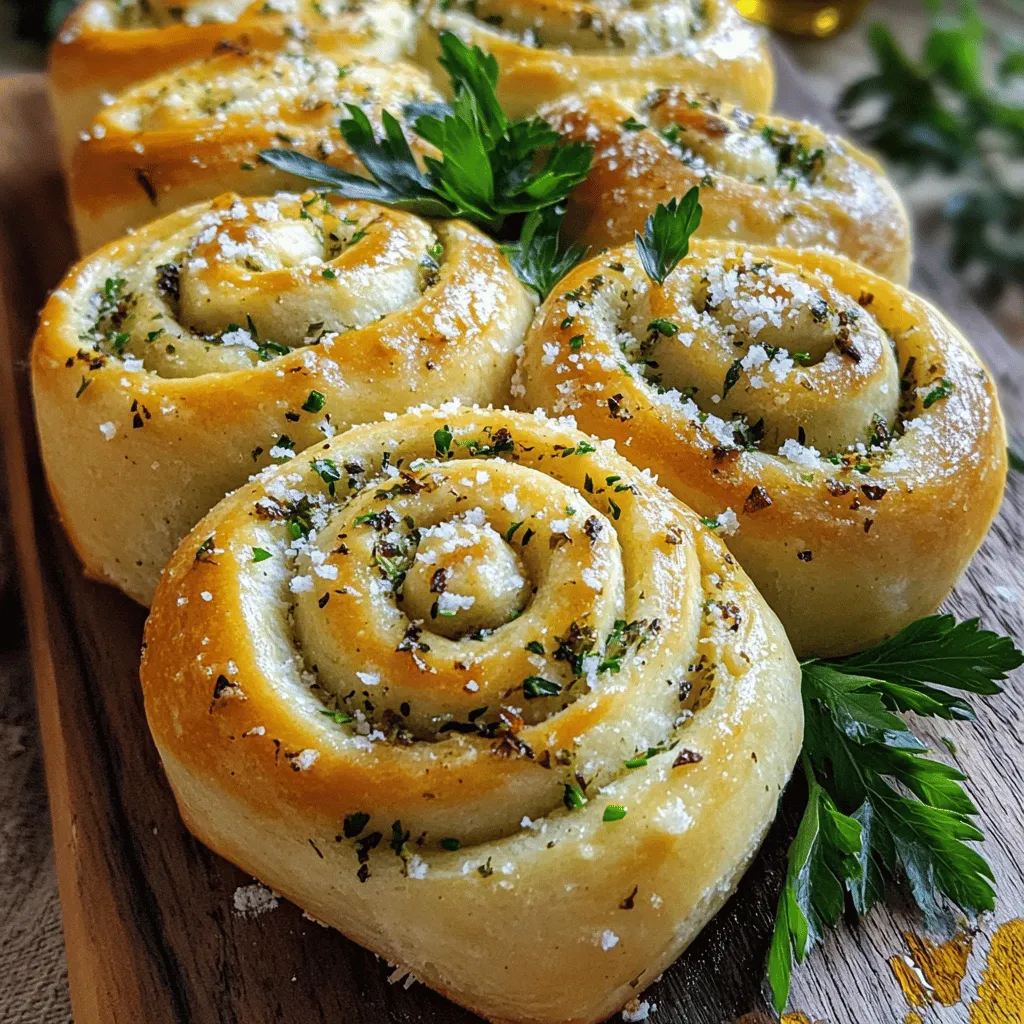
150	926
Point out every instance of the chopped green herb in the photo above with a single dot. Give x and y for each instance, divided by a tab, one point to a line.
941	390
315	402
354	824
574	797
536	686
327	470
443	443
342	718
664	327
614	812
732	375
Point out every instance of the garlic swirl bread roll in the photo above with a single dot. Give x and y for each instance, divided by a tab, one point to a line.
468	678
106	45
171	365
548	48
764	179
837	429
196	132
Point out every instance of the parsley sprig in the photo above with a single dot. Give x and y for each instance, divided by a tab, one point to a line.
538	257
878	811
666	237
503	175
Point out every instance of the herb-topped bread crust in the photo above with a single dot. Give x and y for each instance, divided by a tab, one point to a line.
195	132
838	430
471	688
106	45
174	363
763	179
549	48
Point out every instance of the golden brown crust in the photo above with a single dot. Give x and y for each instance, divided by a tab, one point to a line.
195	132
841	430
295	682
764	179
105	45
548	48
169	365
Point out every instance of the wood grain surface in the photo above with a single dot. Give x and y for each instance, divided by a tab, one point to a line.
150	929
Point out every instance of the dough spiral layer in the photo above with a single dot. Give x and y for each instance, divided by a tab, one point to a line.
197	131
466	680
106	45
548	48
838	429
171	365
764	179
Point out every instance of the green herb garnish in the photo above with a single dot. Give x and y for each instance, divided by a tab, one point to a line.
538	257
315	402
666	237
536	686
490	168
943	389
878	811
574	797
443	443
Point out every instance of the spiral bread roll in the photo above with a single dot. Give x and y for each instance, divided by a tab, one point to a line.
107	45
764	179
174	363
468	678
548	48
196	132
838	429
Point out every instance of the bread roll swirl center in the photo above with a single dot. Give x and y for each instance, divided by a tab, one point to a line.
779	350
460	594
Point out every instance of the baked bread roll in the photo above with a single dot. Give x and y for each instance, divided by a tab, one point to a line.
171	365
837	429
764	179
548	48
196	132
466	679
106	45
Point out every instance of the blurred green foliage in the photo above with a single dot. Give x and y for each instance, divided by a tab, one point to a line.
39	20
953	110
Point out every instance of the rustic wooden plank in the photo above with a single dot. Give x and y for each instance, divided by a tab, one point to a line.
149	926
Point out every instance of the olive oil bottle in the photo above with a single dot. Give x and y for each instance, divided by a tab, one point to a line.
816	18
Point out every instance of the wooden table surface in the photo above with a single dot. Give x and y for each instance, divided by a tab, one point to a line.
151	932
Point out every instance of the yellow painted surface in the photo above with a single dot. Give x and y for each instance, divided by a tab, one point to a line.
1001	992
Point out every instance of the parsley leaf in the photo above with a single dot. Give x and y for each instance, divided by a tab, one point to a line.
538	258
878	810
490	168
397	180
666	237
